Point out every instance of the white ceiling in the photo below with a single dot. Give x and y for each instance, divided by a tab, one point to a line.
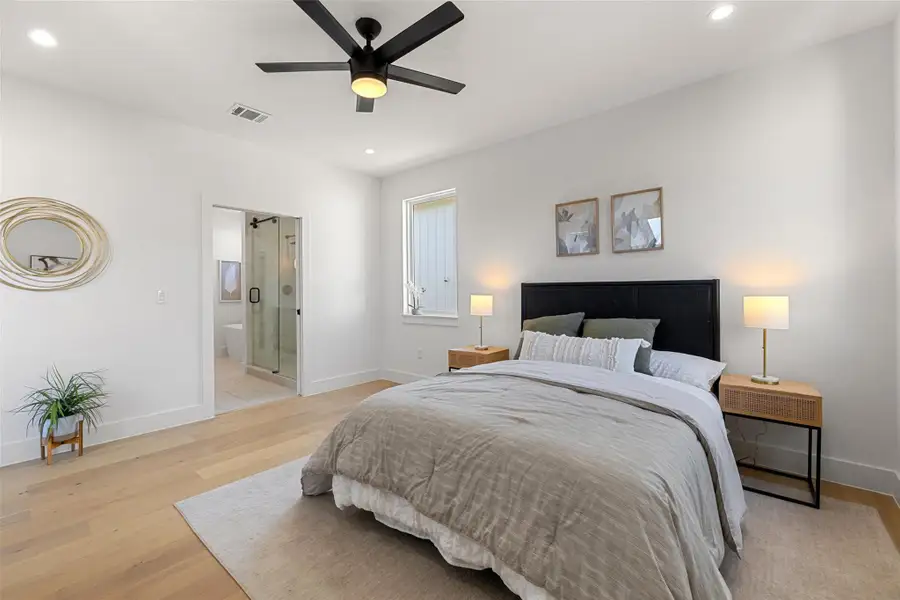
527	65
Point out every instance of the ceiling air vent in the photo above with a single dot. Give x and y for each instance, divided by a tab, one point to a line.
250	114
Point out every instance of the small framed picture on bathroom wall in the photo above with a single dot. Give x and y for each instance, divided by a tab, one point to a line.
229	281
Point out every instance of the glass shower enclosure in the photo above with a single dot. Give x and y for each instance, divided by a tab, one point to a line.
272	307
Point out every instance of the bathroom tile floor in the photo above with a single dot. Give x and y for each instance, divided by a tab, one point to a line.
236	390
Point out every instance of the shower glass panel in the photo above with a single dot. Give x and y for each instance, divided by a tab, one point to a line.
272	295
287	298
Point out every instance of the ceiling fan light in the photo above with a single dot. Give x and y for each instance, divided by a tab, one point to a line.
369	86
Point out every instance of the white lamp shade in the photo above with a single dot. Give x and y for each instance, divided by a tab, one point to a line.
766	312
481	305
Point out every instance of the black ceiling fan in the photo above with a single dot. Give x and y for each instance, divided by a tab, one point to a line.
370	68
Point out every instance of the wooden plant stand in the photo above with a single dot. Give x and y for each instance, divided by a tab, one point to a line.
47	445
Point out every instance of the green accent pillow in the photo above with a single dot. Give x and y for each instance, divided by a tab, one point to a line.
555	325
629	329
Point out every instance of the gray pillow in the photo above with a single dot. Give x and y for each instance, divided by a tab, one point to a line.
555	325
630	329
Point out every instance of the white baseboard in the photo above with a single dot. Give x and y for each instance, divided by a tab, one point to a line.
320	386
842	471
29	448
868	477
897	487
400	376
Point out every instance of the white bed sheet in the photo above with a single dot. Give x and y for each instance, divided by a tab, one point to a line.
457	550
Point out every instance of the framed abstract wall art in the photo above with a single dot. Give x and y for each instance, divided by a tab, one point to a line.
577	227
637	220
51	264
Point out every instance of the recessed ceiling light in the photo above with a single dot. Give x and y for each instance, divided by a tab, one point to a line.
42	38
370	151
721	12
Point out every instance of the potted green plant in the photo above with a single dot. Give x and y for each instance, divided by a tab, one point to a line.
59	407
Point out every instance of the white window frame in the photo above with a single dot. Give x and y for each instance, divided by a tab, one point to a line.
428	317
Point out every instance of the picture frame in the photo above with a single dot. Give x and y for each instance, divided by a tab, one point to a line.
577	227
230	281
637	221
50	264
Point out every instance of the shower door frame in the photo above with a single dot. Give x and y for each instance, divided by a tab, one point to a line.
208	296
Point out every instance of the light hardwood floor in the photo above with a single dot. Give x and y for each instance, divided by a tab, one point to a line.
103	526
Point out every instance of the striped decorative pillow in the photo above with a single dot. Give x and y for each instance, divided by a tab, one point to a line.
613	354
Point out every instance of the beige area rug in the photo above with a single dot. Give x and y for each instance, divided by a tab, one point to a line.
279	545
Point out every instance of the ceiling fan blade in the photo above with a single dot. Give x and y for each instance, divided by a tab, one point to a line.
324	19
365	105
301	67
425	80
433	24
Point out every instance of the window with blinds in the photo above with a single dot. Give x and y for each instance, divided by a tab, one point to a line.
429	255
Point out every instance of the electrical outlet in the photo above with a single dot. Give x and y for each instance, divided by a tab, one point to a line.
419	354
161	297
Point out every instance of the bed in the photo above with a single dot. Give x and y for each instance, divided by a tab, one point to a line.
570	482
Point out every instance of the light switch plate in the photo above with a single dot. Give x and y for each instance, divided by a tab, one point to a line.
161	297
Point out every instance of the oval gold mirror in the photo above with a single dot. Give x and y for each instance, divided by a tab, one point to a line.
49	245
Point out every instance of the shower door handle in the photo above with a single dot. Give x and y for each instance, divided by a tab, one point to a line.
250	291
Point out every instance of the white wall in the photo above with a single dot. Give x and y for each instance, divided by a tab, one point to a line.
777	179
228	244
148	181
897	232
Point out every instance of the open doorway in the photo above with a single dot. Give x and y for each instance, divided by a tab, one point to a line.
257	303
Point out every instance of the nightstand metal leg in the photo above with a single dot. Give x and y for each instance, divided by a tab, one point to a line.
809	433
815	487
809	472
818	467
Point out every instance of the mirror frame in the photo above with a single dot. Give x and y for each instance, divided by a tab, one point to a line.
95	251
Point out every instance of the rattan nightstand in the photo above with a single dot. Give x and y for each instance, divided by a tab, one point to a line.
462	358
789	403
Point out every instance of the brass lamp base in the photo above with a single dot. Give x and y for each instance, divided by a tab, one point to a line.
480	345
765	378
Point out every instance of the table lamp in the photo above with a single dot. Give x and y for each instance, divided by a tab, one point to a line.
481	306
766	312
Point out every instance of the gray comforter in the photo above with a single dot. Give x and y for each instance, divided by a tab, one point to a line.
590	484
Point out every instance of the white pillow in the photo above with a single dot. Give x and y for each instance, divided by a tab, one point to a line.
693	370
613	354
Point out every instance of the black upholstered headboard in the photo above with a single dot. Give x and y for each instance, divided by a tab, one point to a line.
688	310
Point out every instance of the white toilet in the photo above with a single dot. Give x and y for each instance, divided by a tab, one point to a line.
234	341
